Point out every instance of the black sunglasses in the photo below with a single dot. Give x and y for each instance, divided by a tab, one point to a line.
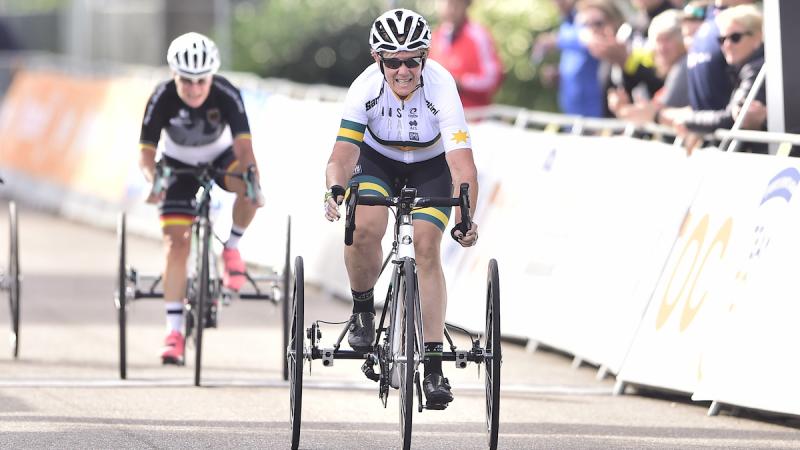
734	37
395	63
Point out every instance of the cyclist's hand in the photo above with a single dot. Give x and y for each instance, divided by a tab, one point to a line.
156	195
333	198
469	239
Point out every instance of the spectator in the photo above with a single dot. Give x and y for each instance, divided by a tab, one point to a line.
743	48
467	51
598	22
579	90
694	13
709	85
670	62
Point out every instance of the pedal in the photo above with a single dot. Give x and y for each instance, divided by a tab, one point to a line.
368	368
436	406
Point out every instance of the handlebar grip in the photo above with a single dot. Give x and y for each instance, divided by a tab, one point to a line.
350	219
466	221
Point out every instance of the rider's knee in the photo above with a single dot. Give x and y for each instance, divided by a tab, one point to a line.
176	245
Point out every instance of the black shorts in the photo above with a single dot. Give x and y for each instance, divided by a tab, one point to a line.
179	205
382	176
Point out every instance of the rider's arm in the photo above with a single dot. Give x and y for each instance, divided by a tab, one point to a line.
341	163
243	150
462	170
147	162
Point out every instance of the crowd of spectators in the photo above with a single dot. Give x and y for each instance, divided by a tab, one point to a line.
685	65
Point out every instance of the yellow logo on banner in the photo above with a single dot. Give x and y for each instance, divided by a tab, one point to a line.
692	249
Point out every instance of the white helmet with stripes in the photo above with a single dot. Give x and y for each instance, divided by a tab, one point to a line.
399	30
193	55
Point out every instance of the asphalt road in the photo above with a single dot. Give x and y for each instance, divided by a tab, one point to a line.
64	391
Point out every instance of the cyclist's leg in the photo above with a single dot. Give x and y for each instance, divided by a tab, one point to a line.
432	179
363	259
177	215
243	212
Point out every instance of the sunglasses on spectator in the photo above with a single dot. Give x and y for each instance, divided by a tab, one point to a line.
734	37
395	63
594	24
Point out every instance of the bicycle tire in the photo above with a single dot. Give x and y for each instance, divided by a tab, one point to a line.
285	296
14	276
121	298
295	357
407	368
493	354
203	278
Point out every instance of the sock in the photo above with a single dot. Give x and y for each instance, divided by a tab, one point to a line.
236	234
364	301
174	316
433	358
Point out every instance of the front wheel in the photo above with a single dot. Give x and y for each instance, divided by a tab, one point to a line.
295	356
203	296
493	355
406	366
14	278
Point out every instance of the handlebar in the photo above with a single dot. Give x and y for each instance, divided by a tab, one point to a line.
205	173
406	202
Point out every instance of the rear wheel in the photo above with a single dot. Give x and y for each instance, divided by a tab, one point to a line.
295	357
203	280
285	300
14	278
493	356
121	297
406	366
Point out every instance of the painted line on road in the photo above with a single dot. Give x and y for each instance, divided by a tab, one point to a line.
315	384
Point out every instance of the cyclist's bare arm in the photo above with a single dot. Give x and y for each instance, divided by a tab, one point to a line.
147	162
340	167
463	170
243	150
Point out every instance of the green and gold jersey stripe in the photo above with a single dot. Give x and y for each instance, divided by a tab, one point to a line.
350	131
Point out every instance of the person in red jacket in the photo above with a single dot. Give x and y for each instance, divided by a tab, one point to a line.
467	51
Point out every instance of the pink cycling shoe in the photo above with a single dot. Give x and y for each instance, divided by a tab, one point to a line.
234	276
173	348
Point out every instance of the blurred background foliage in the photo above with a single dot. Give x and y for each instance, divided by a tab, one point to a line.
325	41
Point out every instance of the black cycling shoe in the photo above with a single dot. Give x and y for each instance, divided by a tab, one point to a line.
362	331
437	390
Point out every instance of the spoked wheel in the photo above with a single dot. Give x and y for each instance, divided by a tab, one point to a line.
120	298
295	357
285	300
14	278
493	355
203	296
406	367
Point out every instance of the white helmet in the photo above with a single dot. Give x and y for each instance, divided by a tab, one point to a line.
193	55
399	30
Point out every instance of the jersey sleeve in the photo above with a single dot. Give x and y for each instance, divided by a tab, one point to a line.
154	118
452	123
354	118
233	109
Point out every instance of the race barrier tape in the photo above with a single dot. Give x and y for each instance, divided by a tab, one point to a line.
669	271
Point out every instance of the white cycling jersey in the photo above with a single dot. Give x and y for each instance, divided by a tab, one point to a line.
429	122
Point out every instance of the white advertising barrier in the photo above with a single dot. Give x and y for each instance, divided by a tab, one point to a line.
628	200
580	227
751	358
695	291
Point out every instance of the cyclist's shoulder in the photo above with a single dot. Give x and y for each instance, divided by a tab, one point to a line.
164	90
436	78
